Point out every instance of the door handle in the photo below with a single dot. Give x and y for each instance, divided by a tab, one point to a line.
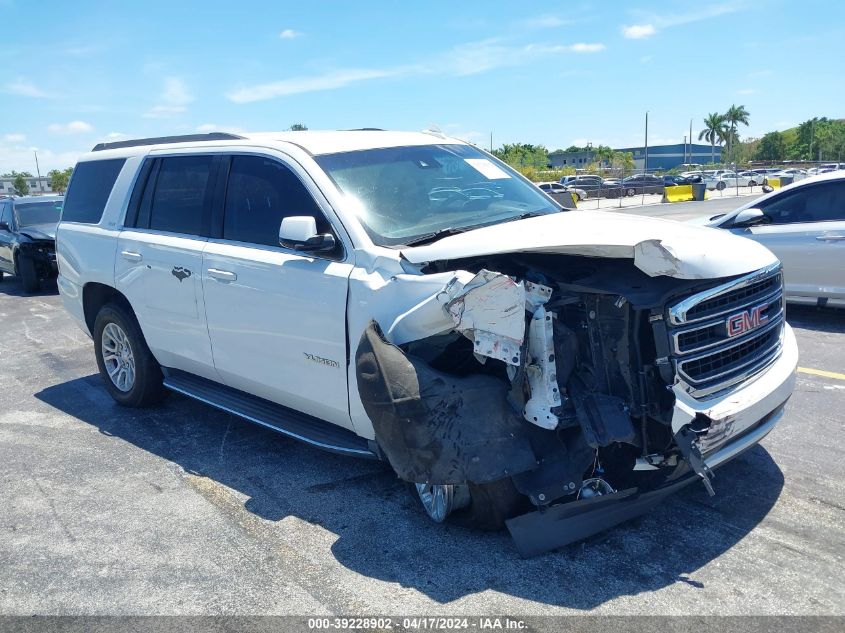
831	238
221	275
131	256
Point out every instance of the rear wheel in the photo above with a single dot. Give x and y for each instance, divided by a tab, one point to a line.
29	275
720	185
130	372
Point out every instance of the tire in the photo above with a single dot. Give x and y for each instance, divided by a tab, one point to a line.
720	185
631	192
29	275
491	505
145	388
478	506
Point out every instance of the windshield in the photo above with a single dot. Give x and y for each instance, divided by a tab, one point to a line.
403	193
29	213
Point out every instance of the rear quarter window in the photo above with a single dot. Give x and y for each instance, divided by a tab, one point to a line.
89	190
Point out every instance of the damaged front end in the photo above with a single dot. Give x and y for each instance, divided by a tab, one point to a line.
559	377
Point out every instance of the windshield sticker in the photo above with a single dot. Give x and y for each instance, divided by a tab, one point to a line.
487	169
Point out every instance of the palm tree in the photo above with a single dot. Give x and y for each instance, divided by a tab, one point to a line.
713	132
733	117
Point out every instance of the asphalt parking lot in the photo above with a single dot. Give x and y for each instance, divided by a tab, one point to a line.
186	510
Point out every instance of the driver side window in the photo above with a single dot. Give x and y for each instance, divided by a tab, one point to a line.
818	203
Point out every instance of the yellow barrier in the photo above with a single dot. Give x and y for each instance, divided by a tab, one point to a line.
774	183
574	198
678	193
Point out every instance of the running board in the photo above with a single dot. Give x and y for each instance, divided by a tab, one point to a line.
295	424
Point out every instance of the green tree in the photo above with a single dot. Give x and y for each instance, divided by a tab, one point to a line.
298	127
623	162
733	117
714	132
20	184
59	179
14	174
603	154
523	155
772	147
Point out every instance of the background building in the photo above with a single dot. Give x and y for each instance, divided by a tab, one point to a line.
659	156
36	185
671	156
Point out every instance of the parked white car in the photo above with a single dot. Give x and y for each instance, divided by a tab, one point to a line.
725	179
804	225
407	297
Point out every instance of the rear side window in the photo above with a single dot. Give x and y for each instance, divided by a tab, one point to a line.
179	201
89	190
261	192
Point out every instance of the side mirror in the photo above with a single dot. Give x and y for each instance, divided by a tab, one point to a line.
300	233
4	227
750	217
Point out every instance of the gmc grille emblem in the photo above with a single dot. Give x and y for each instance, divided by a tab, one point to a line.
747	320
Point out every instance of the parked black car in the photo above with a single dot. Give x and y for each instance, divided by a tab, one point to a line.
594	186
670	180
28	238
642	183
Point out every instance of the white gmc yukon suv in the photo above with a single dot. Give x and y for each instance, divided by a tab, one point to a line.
409	298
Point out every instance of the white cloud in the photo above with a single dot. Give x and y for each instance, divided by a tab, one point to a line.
14	138
465	59
289	34
746	91
174	99
545	22
74	127
164	111
645	59
638	31
581	47
655	23
24	88
20	158
297	85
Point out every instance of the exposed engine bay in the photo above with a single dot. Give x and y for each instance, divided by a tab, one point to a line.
547	371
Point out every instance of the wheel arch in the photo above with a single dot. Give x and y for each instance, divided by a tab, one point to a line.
95	295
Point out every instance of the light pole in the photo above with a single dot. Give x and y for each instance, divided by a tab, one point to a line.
38	171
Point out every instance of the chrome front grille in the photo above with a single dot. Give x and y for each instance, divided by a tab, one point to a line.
726	334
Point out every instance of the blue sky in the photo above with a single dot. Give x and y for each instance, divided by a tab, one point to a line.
75	73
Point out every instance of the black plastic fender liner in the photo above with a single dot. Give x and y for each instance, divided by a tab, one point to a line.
438	428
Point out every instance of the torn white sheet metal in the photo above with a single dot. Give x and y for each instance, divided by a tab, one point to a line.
541	372
428	317
658	247
490	310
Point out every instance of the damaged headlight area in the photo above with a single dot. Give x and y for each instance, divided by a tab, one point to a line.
542	384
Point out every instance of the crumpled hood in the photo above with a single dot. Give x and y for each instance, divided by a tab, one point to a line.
40	231
658	247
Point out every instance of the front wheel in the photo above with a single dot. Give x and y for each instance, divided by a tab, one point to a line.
720	185
478	506
29	275
131	374
631	192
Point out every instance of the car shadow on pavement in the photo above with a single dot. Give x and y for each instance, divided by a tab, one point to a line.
12	287
831	320
382	533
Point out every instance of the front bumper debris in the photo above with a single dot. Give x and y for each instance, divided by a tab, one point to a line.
545	530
